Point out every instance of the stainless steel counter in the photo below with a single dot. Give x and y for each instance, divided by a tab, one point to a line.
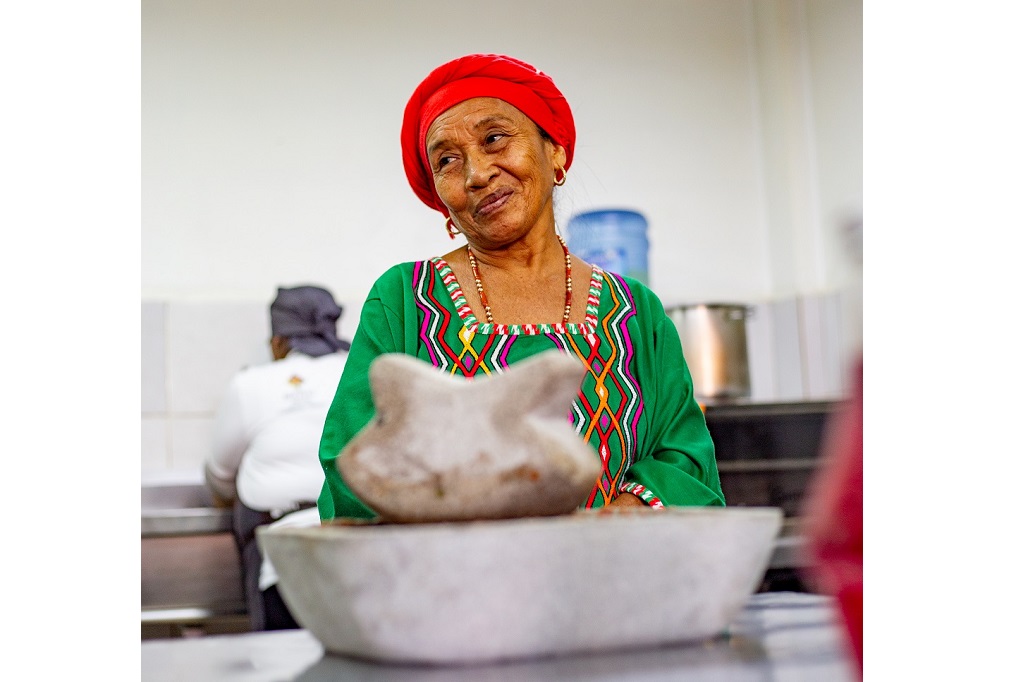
174	510
191	578
782	636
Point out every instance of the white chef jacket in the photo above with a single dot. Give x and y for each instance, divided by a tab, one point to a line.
267	432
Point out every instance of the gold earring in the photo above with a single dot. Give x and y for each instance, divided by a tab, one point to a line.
450	226
560	181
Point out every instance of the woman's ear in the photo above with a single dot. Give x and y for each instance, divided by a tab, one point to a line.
559	156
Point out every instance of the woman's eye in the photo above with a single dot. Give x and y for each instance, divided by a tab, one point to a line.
443	161
493	137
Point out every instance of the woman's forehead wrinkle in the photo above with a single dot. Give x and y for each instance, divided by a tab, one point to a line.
437	135
493	118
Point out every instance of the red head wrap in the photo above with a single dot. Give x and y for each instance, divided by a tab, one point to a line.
480	75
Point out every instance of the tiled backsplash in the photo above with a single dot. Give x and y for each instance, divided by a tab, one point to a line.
190	350
795	349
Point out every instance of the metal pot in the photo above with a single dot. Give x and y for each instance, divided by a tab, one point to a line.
714	338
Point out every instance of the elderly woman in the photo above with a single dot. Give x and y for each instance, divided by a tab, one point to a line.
485	140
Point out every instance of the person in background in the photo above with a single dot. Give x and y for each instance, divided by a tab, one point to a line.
485	140
833	514
267	432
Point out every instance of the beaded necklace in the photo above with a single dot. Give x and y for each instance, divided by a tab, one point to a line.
568	282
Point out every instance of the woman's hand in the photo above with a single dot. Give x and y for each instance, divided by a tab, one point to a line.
627	500
623	502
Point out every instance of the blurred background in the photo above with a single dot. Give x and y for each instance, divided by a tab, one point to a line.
270	156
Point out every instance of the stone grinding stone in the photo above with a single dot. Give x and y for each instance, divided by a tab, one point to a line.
444	448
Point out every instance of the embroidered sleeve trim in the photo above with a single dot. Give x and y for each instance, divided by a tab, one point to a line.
648	498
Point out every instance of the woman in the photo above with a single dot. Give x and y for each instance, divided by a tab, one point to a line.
485	140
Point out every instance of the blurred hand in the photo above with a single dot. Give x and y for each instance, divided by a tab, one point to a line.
627	500
624	501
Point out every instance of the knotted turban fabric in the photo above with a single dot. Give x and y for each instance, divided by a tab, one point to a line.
480	75
308	317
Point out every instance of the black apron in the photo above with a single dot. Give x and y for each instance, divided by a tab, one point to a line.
267	611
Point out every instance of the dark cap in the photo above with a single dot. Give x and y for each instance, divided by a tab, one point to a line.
308	317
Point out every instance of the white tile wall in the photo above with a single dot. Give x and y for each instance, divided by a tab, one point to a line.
154	357
155	444
189	353
206	344
760	353
191	437
788	351
820	338
851	307
795	349
835	359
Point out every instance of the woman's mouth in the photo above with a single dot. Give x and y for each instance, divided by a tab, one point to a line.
493	202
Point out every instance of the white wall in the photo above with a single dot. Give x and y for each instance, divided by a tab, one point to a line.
808	66
270	156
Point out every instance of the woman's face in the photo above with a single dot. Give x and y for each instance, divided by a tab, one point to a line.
493	170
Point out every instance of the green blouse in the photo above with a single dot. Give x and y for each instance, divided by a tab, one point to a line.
635	406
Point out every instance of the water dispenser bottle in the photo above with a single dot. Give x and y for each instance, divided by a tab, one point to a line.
614	239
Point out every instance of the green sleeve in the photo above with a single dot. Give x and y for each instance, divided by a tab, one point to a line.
678	465
384	327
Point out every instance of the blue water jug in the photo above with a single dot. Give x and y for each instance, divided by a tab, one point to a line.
614	239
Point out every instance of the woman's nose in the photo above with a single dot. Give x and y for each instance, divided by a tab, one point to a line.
479	169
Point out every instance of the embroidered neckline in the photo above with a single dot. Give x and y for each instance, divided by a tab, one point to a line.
472	324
